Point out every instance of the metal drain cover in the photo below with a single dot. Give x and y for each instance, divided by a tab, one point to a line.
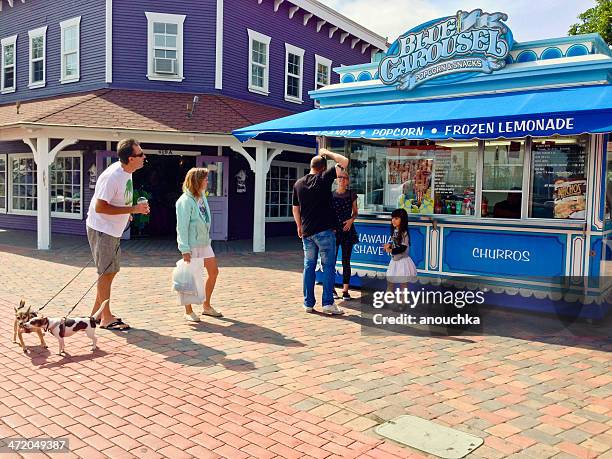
429	437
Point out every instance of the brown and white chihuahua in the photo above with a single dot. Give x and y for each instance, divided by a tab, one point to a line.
22	316
62	327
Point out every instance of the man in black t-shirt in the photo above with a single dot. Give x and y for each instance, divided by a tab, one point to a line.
315	220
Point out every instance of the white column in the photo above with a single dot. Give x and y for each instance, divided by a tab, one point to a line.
259	218
44	158
43	192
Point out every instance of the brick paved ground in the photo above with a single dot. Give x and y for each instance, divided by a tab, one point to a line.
270	381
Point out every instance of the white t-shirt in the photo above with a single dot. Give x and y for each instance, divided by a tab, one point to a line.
115	187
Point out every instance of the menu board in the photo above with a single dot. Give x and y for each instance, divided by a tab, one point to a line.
559	181
443	168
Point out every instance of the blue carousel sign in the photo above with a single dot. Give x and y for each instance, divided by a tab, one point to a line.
468	42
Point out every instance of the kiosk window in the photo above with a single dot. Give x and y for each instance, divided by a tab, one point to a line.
558	185
421	178
502	179
454	182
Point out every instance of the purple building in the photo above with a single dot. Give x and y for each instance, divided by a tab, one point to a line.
77	76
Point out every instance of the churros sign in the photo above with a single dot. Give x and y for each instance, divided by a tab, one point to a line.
468	42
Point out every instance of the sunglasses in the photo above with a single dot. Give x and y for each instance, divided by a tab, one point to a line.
343	178
137	156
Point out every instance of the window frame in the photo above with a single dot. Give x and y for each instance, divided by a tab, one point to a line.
9	186
526	189
290	49
71	215
165	18
9	194
64	25
8	41
324	61
302	169
32	34
261	38
4	199
590	152
524	171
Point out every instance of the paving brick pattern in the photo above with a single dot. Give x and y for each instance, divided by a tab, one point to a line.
268	380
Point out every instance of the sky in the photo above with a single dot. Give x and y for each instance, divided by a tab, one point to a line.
528	19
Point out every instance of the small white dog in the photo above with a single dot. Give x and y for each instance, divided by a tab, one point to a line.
63	327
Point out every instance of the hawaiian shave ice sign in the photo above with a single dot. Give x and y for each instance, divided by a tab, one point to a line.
468	42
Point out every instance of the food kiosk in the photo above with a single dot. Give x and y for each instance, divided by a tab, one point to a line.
497	149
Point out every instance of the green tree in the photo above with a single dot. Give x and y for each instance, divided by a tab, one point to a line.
596	20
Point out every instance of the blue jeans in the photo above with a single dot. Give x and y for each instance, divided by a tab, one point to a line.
325	244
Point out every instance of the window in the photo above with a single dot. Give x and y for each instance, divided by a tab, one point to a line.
38	39
70	63
294	58
66	177
22	185
279	190
558	182
2	183
66	185
322	71
420	177
9	58
259	66
165	46
502	179
510	179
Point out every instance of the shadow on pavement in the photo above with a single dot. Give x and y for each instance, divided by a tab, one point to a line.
183	351
247	332
40	358
281	252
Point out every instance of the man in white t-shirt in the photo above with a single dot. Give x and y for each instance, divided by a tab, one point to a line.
107	219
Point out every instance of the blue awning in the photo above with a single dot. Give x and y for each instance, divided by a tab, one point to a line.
565	111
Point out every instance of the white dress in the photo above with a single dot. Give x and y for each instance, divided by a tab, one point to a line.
401	268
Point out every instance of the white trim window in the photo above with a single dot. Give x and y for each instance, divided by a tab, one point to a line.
259	62
9	67
279	190
322	71
22	184
70	49
38	53
294	71
2	184
66	185
165	46
66	182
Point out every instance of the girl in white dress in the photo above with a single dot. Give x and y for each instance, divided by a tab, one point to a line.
401	269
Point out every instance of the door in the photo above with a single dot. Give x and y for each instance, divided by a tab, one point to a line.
218	173
104	159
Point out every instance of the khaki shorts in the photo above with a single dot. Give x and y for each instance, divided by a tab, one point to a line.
105	250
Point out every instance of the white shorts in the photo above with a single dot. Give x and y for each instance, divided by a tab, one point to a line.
202	252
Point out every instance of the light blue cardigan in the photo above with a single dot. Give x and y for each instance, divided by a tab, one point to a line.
191	229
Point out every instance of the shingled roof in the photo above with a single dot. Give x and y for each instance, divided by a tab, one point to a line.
140	110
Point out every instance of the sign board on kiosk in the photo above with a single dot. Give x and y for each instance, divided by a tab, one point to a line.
456	46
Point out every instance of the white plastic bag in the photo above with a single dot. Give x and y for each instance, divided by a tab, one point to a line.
188	281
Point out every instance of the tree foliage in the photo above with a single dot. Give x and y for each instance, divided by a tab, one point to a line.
596	20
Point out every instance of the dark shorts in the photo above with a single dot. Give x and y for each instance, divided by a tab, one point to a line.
105	250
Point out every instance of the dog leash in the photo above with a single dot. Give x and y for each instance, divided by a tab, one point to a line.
77	275
69	282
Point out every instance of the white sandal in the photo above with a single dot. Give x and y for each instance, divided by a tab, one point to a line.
212	312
